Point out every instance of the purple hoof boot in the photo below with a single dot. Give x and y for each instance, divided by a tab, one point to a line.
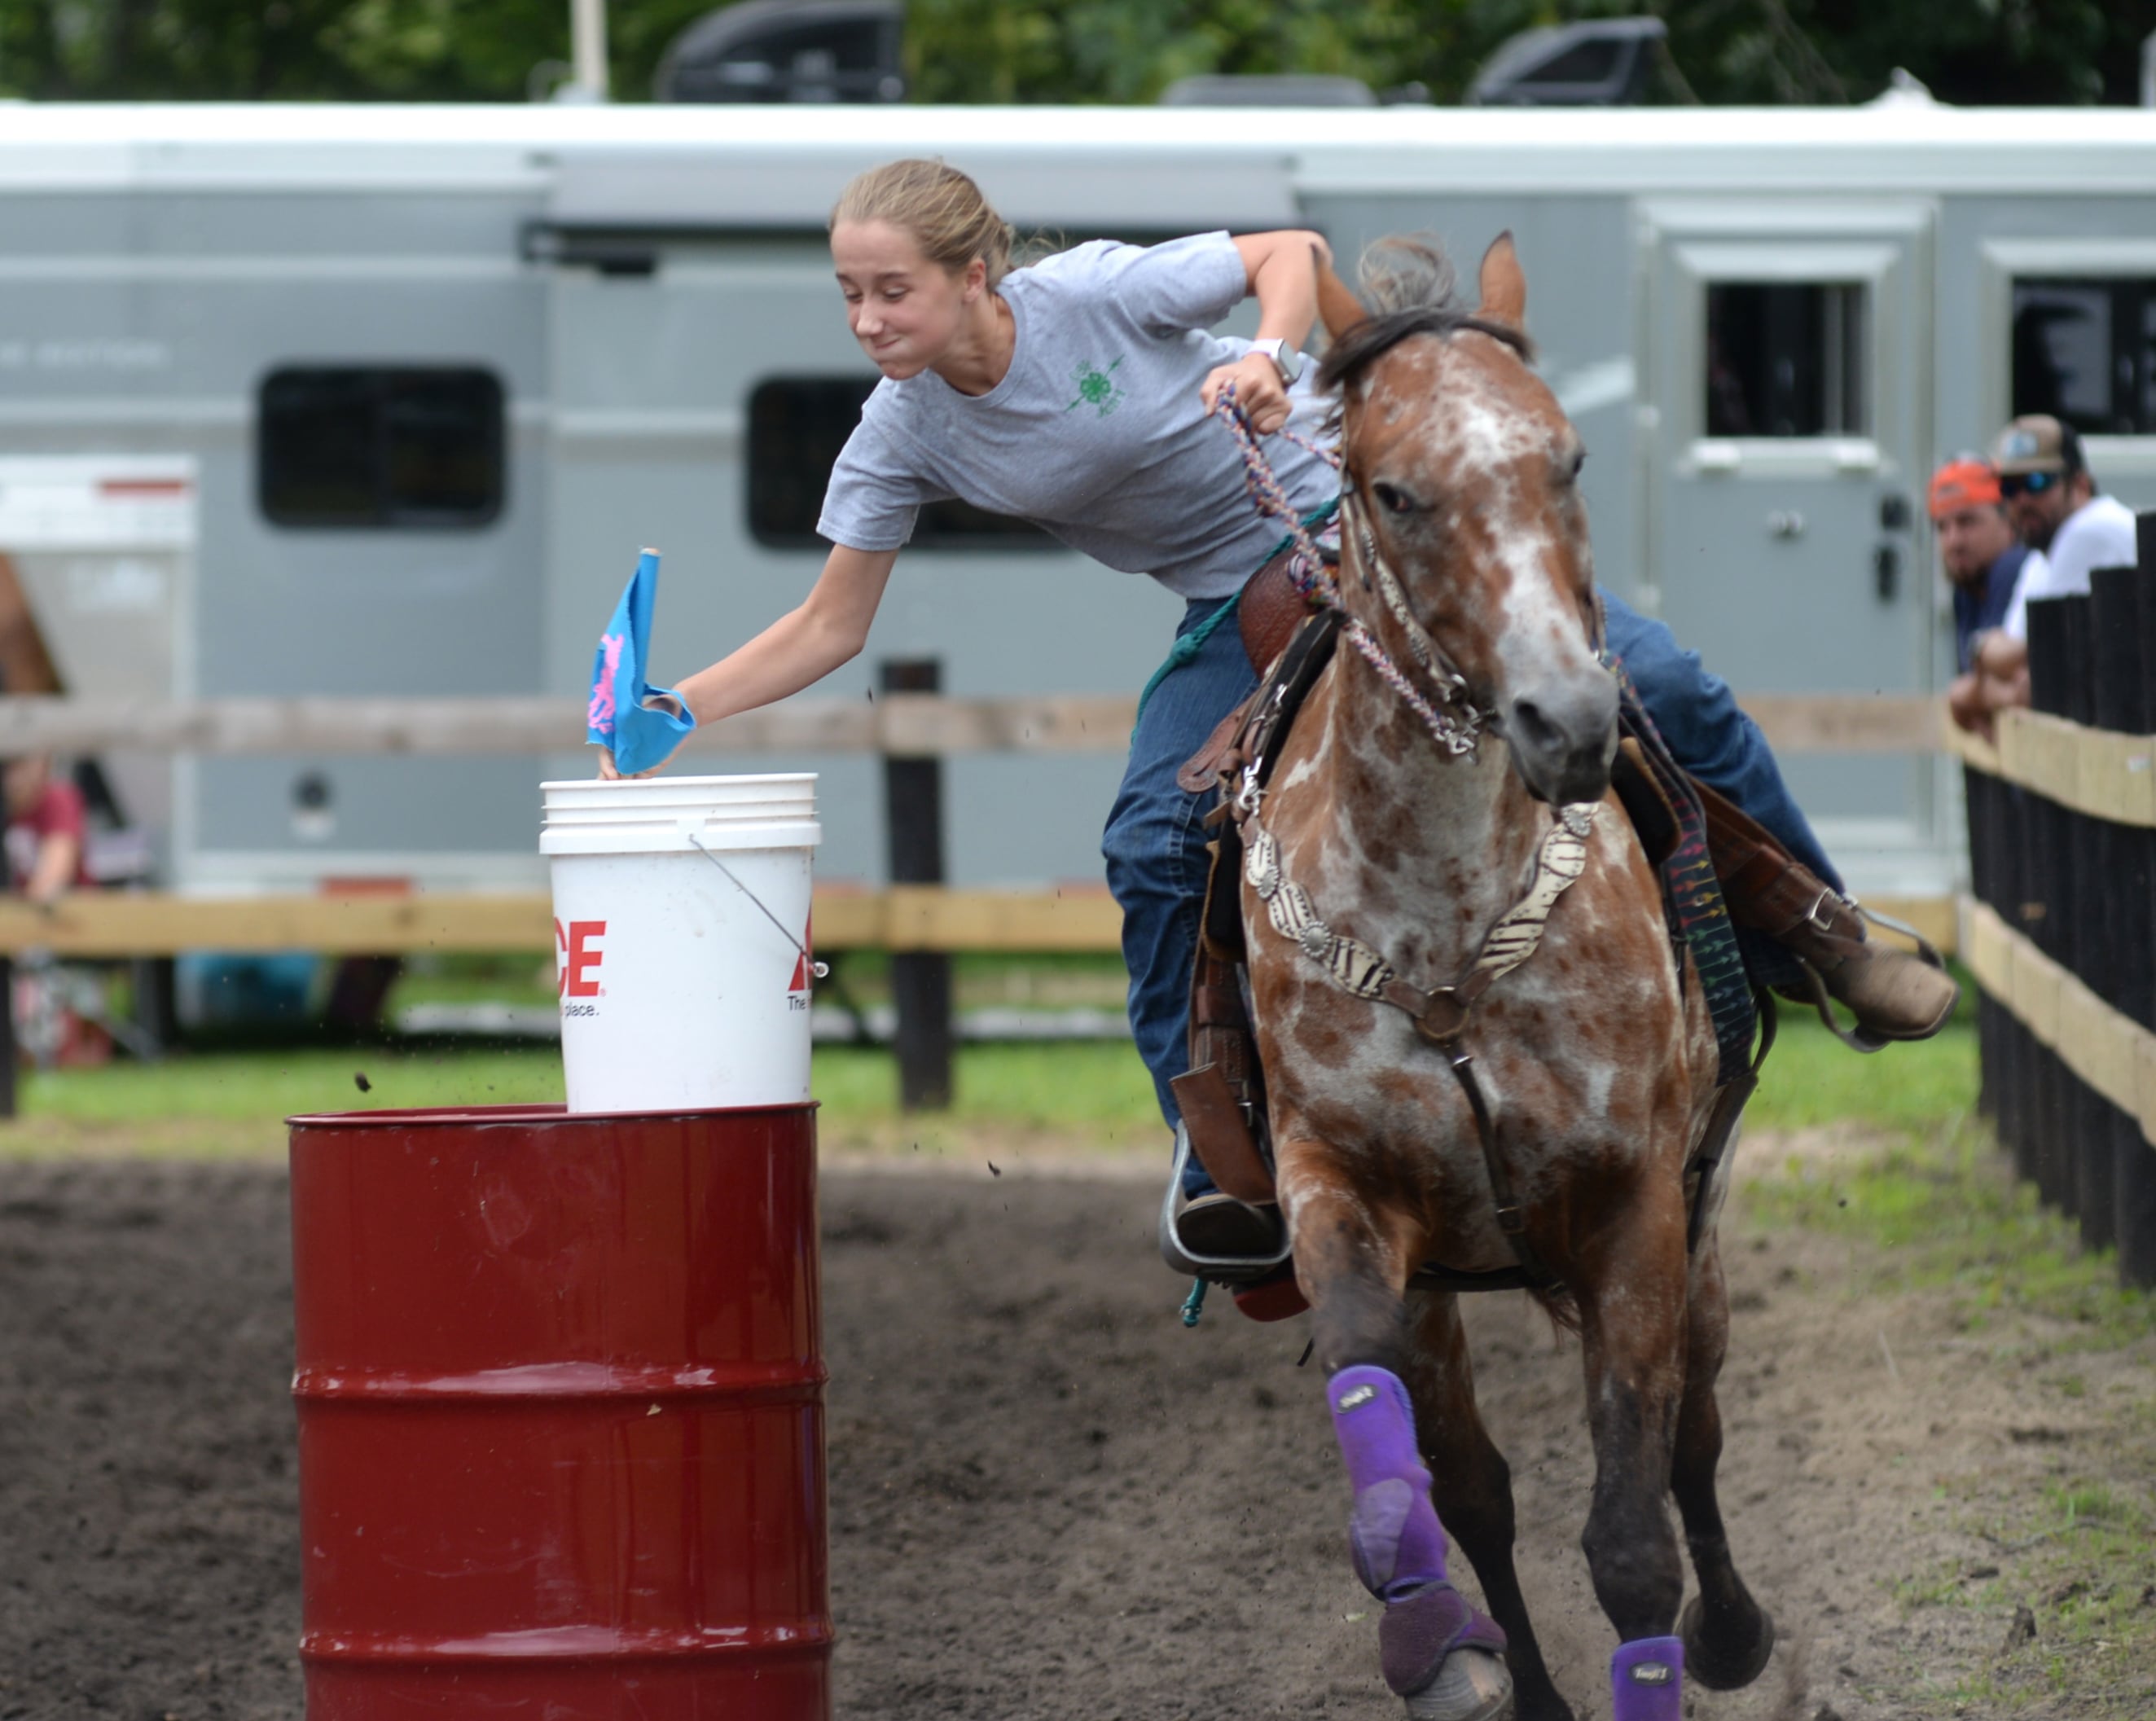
1646	1680
1446	1659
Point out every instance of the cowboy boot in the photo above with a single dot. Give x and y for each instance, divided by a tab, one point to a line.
1894	994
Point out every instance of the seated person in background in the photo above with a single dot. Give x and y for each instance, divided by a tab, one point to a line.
2052	500
47	828
1985	561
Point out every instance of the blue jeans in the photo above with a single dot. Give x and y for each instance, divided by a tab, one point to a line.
1155	842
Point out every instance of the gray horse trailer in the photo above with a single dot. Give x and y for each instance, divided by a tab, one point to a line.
383	400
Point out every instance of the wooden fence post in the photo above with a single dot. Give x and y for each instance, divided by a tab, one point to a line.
2133	1195
920	979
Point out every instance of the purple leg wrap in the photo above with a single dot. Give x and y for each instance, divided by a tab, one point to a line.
1399	1544
1646	1680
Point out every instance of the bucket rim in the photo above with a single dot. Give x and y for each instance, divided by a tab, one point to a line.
544	1111
620	785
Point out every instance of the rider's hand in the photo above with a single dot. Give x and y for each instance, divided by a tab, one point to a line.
1258	391
611	772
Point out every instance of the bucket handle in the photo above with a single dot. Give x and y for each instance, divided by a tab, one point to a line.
821	969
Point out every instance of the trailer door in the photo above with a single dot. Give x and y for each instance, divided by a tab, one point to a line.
1787	438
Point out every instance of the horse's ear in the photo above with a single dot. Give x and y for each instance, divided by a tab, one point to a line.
1340	310
1504	284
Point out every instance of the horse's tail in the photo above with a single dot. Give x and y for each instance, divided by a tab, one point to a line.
1560	1305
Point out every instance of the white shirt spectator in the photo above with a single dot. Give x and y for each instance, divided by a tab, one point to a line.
2097	534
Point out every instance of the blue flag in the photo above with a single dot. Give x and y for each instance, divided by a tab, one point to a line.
620	715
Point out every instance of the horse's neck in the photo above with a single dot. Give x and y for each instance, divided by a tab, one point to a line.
1459	832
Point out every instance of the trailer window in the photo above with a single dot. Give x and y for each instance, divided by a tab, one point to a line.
2085	351
1786	358
372	447
797	425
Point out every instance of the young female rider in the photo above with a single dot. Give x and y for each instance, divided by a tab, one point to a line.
1076	393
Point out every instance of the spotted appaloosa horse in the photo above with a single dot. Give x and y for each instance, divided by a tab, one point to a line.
1596	1056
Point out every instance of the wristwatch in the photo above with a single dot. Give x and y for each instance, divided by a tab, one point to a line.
1285	359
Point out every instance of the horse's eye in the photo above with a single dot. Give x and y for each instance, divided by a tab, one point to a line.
1392	500
1579	459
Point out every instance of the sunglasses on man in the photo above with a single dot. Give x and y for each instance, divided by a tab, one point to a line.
2035	483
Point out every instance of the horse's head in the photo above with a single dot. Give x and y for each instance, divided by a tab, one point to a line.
1463	472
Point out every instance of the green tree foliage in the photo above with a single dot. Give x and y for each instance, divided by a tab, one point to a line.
1770	51
2037	52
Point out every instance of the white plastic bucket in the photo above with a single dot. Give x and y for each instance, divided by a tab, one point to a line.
681	939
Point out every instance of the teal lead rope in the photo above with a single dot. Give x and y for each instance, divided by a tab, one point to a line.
1188	647
1194	1305
1192	643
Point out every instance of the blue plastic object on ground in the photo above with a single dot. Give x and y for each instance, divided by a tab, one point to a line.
621	716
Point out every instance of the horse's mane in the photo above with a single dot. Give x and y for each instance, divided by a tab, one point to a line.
1408	282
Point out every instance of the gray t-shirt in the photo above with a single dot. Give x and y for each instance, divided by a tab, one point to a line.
1097	434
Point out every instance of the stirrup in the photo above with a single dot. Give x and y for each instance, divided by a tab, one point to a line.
1859	1037
1925	951
1216	1269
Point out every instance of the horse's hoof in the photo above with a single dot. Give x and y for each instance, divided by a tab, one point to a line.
1473	1685
1444	1658
1719	1672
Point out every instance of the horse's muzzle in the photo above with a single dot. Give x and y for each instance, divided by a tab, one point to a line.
1563	736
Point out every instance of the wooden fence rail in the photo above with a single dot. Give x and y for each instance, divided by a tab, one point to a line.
904	917
900	725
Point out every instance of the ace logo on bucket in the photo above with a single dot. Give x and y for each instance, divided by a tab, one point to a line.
577	956
797	988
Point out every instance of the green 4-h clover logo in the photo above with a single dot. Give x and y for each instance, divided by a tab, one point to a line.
1097	389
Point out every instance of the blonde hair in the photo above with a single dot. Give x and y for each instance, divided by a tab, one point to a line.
938	208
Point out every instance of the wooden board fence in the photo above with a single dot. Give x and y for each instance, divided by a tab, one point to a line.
2060	930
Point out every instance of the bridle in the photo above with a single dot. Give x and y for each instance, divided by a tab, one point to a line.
1455	721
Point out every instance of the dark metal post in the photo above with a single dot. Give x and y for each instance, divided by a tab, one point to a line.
920	979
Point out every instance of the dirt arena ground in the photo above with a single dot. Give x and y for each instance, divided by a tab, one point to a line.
1049	1499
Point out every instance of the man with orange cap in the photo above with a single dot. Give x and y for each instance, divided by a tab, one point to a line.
1982	554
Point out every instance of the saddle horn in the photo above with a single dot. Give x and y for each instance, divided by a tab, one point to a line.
1504	285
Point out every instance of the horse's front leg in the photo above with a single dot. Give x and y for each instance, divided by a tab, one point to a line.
1444	1657
1471	1486
1631	1283
1727	1636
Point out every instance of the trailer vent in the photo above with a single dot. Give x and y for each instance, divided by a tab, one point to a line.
2085	351
1786	359
796	427
355	446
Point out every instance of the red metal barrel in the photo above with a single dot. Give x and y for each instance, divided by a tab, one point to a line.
560	1407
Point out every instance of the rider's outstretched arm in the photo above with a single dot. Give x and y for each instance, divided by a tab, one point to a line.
829	629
